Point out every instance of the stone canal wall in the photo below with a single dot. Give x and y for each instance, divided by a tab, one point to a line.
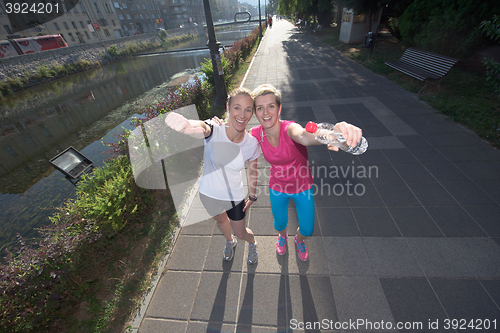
95	52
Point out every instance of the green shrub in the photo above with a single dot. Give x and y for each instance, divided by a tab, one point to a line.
448	27
207	69
109	197
492	30
113	51
163	35
44	72
393	27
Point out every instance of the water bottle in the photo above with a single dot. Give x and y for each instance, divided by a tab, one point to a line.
329	134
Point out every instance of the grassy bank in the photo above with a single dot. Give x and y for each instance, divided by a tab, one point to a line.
47	72
100	253
465	96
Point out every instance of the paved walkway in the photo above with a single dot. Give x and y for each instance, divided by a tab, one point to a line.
408	232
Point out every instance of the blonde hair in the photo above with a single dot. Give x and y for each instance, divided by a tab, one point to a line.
236	92
239	91
266	89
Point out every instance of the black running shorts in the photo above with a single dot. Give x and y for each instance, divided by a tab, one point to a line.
215	207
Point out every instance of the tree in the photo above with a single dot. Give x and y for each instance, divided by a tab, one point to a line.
214	8
272	6
367	7
322	9
492	30
447	27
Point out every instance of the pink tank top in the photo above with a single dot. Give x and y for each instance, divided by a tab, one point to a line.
290	170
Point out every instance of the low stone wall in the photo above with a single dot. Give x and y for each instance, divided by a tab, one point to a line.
95	52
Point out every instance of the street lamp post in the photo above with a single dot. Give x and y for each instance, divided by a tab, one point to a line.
213	46
260	23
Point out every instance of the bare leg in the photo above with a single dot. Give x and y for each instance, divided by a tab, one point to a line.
300	237
283	233
224	225
242	232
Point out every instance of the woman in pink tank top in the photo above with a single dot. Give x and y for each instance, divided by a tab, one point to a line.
284	145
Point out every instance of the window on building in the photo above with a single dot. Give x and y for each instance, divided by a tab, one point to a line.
184	9
185	16
147	16
8	29
177	9
124	5
87	34
125	27
120	16
108	10
128	17
113	22
11	151
138	6
80	38
64	7
56	26
117	5
71	37
45	131
31	142
106	32
65	26
82	25
143	6
179	16
140	15
94	34
162	2
74	25
96	7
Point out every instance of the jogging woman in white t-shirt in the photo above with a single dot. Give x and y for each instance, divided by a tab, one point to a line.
228	147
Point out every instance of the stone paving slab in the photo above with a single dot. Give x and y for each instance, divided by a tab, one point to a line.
419	246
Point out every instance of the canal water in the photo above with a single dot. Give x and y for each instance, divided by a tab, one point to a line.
83	111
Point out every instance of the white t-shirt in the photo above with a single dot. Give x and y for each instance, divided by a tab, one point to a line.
224	161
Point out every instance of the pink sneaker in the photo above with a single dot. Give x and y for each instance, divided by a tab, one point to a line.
281	245
301	248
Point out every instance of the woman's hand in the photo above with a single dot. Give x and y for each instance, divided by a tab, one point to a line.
217	120
350	132
248	203
180	124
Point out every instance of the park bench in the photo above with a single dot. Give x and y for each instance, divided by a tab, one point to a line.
424	66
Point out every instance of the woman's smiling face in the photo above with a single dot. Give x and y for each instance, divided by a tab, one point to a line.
240	111
267	110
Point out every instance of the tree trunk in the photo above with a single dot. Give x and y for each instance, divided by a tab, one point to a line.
368	20
338	14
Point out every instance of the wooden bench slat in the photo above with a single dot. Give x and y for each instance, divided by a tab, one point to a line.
428	64
427	53
437	70
410	70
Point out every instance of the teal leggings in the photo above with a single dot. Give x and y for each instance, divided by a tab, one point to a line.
304	203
